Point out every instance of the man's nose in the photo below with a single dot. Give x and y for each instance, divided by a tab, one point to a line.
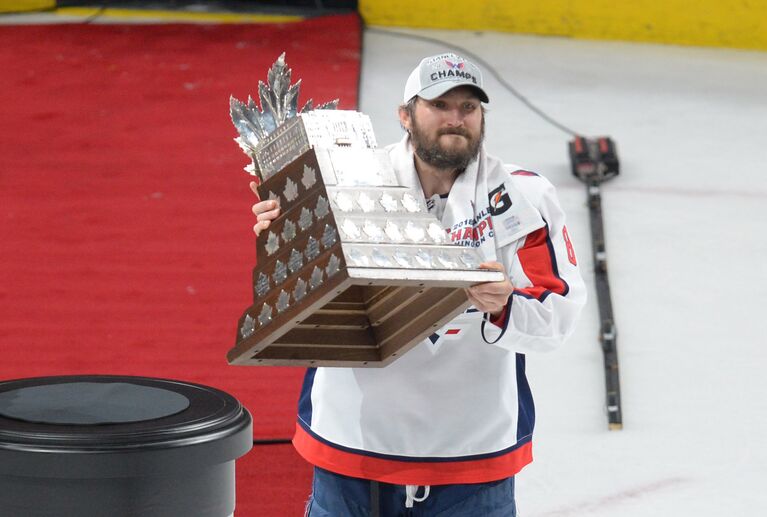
455	117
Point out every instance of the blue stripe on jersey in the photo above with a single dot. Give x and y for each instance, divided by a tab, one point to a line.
526	407
305	399
414	459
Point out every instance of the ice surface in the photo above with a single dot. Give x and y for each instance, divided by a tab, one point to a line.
685	228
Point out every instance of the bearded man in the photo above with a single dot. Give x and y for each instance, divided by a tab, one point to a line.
444	429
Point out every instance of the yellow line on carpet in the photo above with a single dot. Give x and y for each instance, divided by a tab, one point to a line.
181	16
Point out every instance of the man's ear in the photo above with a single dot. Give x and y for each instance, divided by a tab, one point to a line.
404	118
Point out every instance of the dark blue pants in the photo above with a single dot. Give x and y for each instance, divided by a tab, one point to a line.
334	495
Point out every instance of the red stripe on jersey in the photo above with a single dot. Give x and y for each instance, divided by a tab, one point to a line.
500	320
410	472
539	264
452	331
523	173
569	245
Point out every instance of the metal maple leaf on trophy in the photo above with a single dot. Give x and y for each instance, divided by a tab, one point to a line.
279	102
354	271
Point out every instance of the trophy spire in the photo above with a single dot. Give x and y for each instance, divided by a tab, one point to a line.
279	102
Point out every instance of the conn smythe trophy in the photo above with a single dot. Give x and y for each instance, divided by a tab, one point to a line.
354	271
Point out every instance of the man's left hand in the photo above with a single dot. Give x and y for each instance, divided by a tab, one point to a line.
491	297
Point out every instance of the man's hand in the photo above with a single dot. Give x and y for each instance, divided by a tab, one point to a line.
491	297
265	211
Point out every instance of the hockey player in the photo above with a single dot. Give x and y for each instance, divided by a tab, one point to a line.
444	429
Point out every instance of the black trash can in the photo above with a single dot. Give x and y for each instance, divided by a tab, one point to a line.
111	446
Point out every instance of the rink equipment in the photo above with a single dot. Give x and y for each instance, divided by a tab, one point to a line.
595	161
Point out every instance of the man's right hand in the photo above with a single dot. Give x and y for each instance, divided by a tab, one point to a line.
265	211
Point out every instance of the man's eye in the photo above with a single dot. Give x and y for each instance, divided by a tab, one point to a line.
438	105
469	106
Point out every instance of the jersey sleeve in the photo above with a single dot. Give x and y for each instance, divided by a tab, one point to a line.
549	292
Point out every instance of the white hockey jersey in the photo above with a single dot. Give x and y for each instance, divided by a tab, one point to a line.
457	408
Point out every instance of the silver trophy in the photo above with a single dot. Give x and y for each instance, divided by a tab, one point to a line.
354	271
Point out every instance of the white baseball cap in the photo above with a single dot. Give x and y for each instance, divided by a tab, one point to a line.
437	74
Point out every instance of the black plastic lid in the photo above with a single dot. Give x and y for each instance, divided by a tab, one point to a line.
116	425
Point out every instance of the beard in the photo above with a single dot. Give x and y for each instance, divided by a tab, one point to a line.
432	152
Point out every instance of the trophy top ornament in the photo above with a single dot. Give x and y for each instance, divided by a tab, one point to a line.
279	103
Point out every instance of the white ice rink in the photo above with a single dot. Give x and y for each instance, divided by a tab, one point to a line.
686	235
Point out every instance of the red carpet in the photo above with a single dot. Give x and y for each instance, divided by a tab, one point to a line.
126	225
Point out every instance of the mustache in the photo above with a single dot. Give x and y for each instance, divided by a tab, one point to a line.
454	131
